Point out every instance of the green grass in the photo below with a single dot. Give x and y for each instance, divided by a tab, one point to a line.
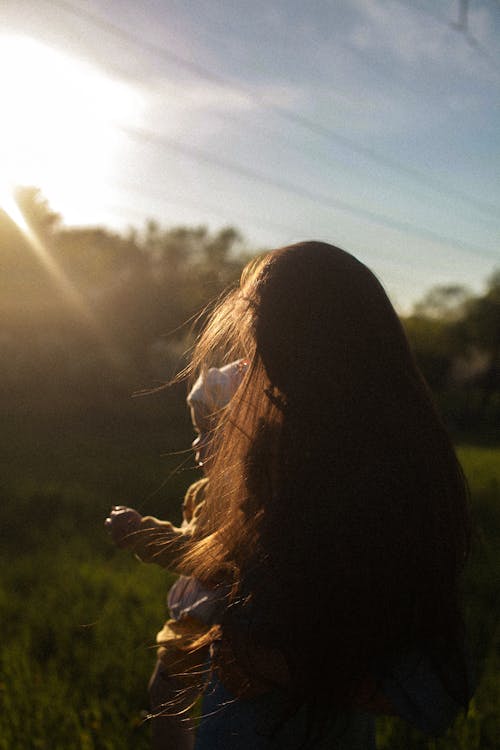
77	650
78	618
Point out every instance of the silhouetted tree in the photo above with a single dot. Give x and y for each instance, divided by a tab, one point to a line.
140	289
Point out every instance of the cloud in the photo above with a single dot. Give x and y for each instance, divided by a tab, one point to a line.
415	36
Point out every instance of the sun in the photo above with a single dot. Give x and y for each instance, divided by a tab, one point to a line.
58	124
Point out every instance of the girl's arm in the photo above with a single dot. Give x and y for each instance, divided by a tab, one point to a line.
156	541
152	540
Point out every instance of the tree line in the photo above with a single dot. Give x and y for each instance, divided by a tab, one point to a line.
88	316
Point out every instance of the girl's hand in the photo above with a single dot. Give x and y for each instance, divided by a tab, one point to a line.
122	523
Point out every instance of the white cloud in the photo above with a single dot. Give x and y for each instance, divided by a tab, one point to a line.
415	36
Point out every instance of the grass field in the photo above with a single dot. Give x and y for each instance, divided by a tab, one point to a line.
79	617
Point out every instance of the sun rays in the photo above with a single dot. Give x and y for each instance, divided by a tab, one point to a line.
57	129
57	132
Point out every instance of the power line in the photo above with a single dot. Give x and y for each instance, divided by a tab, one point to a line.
329	157
293	233
214	210
201	155
324	132
429	180
397	266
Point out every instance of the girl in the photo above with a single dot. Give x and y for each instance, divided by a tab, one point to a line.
174	684
337	511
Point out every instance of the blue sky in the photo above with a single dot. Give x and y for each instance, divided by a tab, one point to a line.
372	124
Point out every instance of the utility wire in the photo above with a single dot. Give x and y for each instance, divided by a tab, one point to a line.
293	234
201	155
324	132
395	266
257	221
331	159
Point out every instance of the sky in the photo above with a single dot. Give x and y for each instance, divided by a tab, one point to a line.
370	124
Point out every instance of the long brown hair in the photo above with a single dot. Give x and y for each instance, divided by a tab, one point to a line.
336	504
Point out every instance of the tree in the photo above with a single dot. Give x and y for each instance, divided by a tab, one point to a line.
37	213
482	327
456	339
445	303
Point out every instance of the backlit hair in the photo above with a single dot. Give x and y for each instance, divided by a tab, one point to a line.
336	505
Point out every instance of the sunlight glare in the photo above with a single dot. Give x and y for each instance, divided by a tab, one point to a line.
65	286
11	208
57	126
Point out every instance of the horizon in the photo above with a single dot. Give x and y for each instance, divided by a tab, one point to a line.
380	136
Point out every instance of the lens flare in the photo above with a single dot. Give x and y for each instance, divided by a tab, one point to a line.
58	124
73	297
13	211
